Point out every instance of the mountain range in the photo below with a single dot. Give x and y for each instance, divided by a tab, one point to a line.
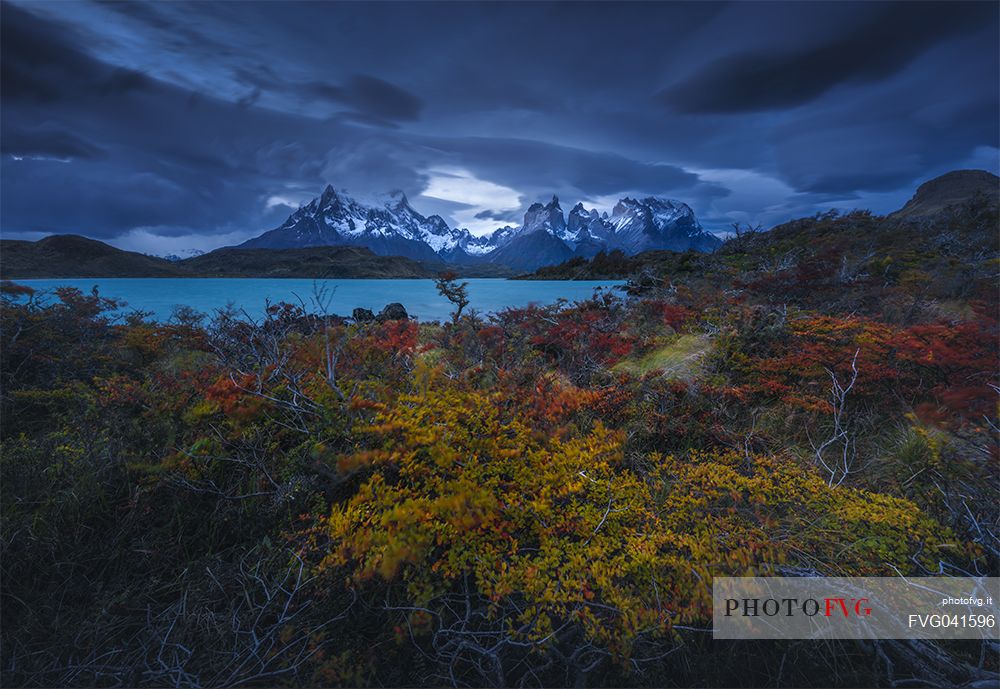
560	246
391	227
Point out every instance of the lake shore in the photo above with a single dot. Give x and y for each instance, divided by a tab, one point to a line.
419	296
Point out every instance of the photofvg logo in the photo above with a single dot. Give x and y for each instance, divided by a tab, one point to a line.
788	607
855	608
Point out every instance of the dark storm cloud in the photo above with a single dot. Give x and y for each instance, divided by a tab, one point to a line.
107	156
371	100
41	65
212	119
499	216
879	48
520	162
535	168
47	142
372	96
70	203
180	35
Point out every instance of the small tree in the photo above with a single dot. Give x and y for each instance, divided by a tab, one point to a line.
455	292
741	230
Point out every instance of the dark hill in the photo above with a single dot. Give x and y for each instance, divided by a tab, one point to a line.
949	189
73	256
314	262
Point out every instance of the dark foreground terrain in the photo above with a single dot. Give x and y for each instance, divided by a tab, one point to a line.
541	497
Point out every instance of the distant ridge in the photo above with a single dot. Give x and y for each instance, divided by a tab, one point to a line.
72	256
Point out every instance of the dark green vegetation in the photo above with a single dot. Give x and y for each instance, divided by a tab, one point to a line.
610	265
539	498
340	262
71	256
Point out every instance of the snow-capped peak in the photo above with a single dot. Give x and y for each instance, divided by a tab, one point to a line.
389	225
394	199
548	218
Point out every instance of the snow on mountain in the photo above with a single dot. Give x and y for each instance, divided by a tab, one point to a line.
586	225
388	225
180	255
544	218
655	223
633	226
480	246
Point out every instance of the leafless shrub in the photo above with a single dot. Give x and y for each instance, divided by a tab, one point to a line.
231	624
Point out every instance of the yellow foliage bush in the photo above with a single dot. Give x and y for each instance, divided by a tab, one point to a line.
558	532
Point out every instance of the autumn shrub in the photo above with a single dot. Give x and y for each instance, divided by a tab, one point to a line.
492	538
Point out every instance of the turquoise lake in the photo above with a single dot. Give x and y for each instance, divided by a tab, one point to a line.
420	297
